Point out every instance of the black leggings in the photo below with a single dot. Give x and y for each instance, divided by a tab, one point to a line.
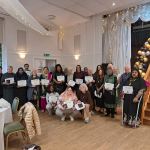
110	110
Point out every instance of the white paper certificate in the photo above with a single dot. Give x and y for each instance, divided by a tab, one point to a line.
128	89
88	78
60	78
71	83
52	99
79	81
35	82
44	82
80	106
22	83
69	104
9	80
39	74
28	73
109	86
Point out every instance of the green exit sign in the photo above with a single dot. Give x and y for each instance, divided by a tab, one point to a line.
47	55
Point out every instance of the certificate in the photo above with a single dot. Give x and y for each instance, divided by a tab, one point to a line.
9	80
80	106
35	82
28	73
44	82
22	83
88	78
109	86
52	99
69	104
39	74
128	89
60	78
79	81
71	83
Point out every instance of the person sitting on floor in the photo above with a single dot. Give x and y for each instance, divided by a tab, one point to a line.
51	93
62	104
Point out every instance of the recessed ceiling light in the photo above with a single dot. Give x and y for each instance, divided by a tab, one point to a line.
51	17
113	4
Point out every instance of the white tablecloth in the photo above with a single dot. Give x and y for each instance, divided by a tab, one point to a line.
5	117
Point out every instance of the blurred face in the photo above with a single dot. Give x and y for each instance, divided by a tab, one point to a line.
126	69
100	72
83	89
109	72
85	70
58	68
99	68
34	73
39	70
115	70
78	68
70	71
0	70
10	70
90	71
69	91
26	67
66	70
45	70
52	89
21	71
134	74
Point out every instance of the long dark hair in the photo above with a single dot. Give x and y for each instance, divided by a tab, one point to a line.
139	75
50	87
56	68
97	72
100	78
77	66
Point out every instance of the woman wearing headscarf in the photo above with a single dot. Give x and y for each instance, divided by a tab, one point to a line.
110	95
66	96
97	70
8	89
33	92
79	74
131	100
1	87
44	89
59	85
86	71
21	91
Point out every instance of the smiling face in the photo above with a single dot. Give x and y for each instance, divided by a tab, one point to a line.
100	72
85	70
78	69
99	68
115	70
69	91
34	73
39	70
45	71
21	71
83	89
127	69
134	74
69	71
58	68
10	70
26	67
52	89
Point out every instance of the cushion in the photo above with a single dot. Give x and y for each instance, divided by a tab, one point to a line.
14	105
13	126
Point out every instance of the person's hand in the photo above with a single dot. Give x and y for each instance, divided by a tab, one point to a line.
135	100
34	86
93	81
78	102
18	87
87	83
49	83
43	90
107	89
14	82
68	85
39	81
122	93
4	83
62	108
116	87
74	108
62	81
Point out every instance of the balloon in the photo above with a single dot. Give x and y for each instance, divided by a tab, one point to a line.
141	63
141	57
141	60
148	46
144	65
139	52
137	63
144	69
143	74
148	40
136	67
142	48
147	53
142	53
140	67
145	49
137	58
140	71
145	59
145	43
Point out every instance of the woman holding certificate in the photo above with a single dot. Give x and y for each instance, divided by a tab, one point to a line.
59	79
33	92
109	90
66	104
78	77
135	86
8	84
45	81
21	86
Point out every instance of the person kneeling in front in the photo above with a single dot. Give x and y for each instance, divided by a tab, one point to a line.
85	97
66	104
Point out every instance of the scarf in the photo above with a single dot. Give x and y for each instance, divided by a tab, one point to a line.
22	76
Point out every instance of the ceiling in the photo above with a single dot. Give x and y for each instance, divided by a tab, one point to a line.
71	12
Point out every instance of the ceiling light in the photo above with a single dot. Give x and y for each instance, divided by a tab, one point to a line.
22	56
77	57
51	17
113	4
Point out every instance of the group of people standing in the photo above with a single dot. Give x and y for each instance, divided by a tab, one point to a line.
91	93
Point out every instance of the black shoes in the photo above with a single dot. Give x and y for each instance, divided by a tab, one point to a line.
112	116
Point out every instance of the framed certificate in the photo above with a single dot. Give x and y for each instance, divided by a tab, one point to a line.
88	78
9	80
44	82
80	106
22	83
35	82
60	78
69	104
71	83
128	89
28	73
109	86
39	74
79	81
52	99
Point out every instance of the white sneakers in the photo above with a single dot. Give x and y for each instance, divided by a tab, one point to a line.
71	118
63	118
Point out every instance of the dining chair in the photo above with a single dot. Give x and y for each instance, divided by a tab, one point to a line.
14	107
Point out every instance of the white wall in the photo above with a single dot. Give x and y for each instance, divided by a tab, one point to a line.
37	45
91	44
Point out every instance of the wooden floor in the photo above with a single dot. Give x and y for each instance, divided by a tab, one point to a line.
102	133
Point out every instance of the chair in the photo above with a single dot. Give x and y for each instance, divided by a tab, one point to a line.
15	106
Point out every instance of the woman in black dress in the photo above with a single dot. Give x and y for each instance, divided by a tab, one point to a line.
21	92
97	70
59	85
99	88
130	100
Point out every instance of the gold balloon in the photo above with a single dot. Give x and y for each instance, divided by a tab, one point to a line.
145	59
141	57
140	71
143	74
140	66
148	40
139	52
141	63
148	46
137	63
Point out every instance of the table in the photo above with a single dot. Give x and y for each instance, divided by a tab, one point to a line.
5	117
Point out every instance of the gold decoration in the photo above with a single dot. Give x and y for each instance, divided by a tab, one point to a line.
141	57
139	52
143	74
137	63
145	59
148	46
140	71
